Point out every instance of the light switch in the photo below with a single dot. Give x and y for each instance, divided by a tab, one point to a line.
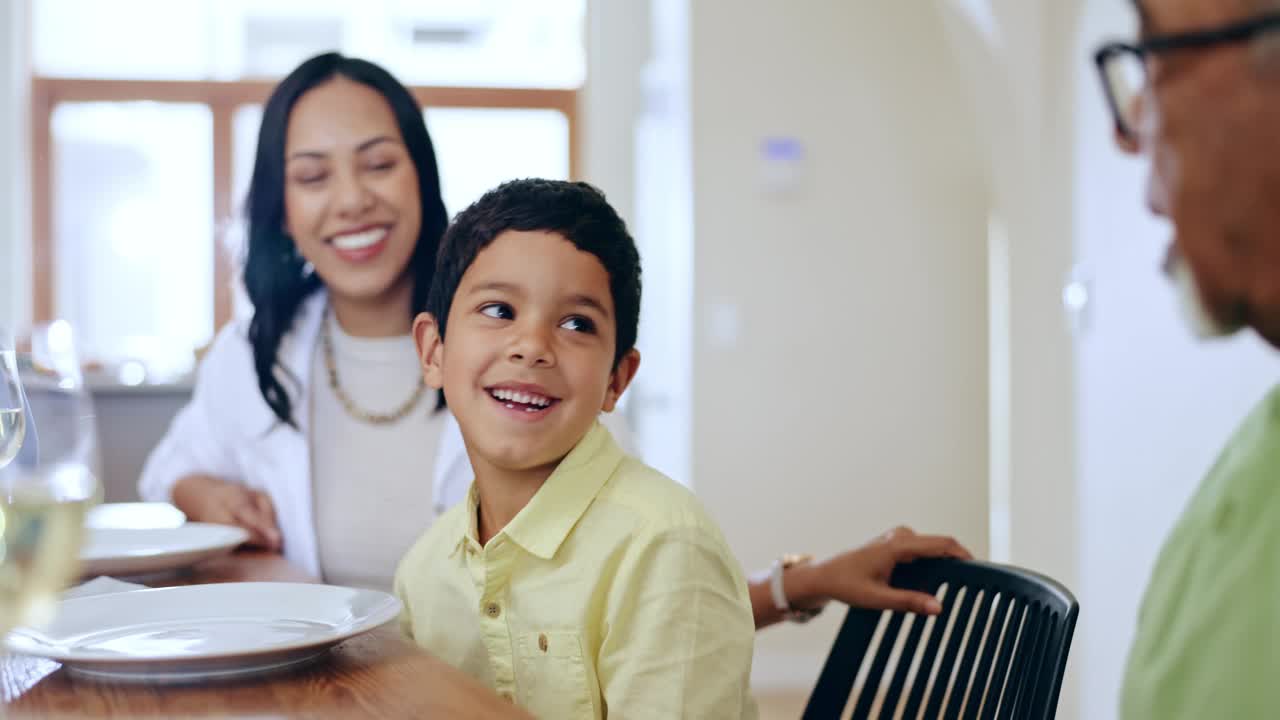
781	164
724	324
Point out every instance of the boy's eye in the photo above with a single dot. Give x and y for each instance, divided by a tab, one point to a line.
498	311
579	324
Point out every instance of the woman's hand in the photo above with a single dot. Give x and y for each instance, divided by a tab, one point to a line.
860	577
207	499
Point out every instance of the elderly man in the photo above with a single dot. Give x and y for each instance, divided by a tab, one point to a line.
1199	95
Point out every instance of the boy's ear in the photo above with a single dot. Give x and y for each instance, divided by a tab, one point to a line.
621	378
426	337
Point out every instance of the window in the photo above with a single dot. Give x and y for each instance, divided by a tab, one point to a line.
477	43
133	225
144	130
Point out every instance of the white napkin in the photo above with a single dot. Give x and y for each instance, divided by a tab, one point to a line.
101	585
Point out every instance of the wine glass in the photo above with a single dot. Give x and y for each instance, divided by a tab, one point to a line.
47	482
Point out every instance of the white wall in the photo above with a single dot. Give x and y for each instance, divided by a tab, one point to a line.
617	48
1013	57
840	381
14	218
1016	59
635	147
1154	406
661	404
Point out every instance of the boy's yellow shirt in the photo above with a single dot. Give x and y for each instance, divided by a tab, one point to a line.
611	594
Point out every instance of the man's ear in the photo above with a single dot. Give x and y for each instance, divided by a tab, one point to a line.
426	337
621	378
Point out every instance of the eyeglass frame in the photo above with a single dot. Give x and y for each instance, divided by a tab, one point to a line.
1237	32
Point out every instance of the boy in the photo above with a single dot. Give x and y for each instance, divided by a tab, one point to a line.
575	581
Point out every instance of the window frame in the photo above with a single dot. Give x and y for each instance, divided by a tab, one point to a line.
222	98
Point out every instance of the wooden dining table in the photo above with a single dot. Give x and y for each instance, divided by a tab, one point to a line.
376	675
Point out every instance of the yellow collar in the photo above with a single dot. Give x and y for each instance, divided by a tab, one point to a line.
542	525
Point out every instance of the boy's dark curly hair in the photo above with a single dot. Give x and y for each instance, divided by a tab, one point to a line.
575	210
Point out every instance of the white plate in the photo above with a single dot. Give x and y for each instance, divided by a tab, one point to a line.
134	515
123	551
203	632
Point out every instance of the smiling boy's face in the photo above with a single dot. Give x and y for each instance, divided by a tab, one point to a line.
529	360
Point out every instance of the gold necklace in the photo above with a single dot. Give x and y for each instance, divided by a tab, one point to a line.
326	343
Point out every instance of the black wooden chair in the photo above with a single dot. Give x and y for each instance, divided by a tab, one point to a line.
998	650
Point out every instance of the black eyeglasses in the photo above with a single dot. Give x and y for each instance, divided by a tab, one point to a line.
1123	67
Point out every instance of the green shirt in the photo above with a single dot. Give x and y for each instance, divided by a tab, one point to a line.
1208	639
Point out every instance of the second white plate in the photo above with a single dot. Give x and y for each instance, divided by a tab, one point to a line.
126	551
134	515
203	632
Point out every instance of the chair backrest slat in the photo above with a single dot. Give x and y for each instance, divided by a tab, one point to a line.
1014	702
1047	690
977	636
871	687
835	683
979	669
1000	676
930	660
947	662
998	650
1034	633
986	676
1036	681
906	661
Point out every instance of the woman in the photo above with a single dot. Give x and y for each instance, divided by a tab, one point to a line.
310	425
296	412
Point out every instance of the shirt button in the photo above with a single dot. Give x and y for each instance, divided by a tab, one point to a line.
542	642
493	609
